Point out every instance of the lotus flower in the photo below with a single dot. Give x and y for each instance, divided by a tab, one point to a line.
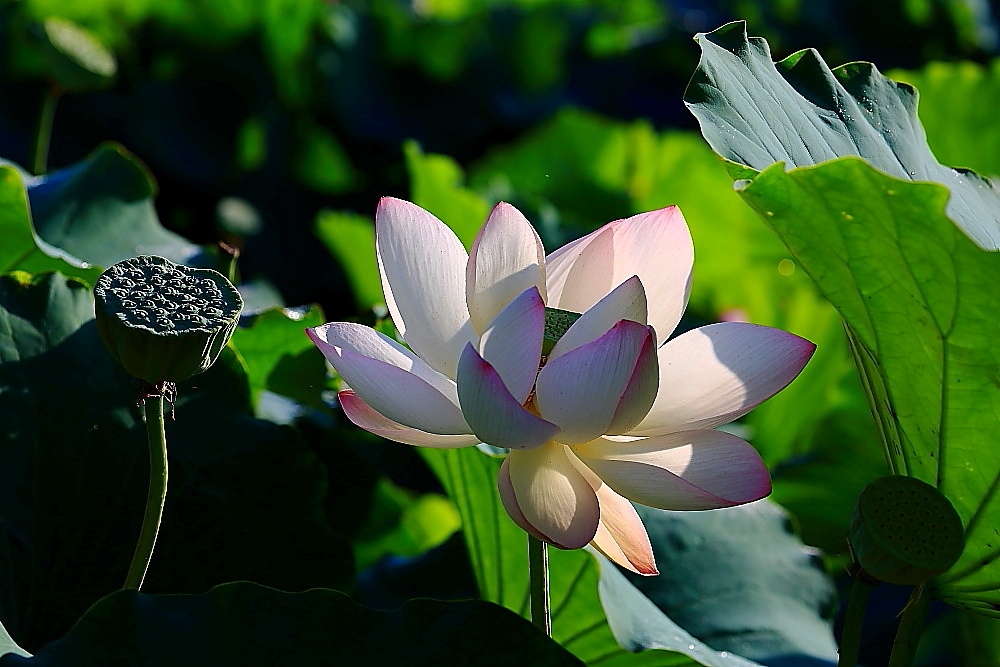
596	413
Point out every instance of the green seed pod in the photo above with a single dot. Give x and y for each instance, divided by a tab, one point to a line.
905	531
162	321
557	322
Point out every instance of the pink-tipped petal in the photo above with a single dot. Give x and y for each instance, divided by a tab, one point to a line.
581	273
512	343
390	389
368	418
368	342
641	391
655	246
506	259
713	375
422	264
625	302
620	536
495	416
581	390
554	498
692	470
509	500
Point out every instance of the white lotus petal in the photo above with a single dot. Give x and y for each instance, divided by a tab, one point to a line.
625	302
692	470
512	343
655	246
713	375
368	418
553	496
581	390
422	264
392	390
495	416
506	259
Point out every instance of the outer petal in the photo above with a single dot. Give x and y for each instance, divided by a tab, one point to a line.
376	372
554	498
512	343
506	259
496	417
509	500
620	537
625	302
715	374
692	470
369	419
655	246
581	390
422	264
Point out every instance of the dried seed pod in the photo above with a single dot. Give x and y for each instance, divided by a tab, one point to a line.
905	531
154	319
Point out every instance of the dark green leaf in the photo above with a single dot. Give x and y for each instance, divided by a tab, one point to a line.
280	357
351	240
248	625
246	497
101	210
21	248
921	301
755	114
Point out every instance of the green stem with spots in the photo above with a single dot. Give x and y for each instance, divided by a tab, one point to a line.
538	575
157	437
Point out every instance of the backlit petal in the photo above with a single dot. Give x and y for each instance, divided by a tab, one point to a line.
369	419
655	246
625	302
506	259
715	374
512	343
382	382
553	496
495	416
581	390
640	392
422	264
620	536
692	470
509	500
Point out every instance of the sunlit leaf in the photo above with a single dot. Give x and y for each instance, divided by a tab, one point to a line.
800	112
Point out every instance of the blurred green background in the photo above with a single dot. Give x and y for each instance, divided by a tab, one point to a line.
273	126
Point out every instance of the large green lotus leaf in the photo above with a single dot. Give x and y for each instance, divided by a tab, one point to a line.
957	109
22	249
101	210
280	357
246	497
250	625
800	112
920	300
740	580
499	555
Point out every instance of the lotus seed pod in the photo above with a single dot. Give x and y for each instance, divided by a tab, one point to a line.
905	531
162	321
557	322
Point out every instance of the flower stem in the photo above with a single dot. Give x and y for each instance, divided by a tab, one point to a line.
157	492
43	134
854	616
904	647
538	573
